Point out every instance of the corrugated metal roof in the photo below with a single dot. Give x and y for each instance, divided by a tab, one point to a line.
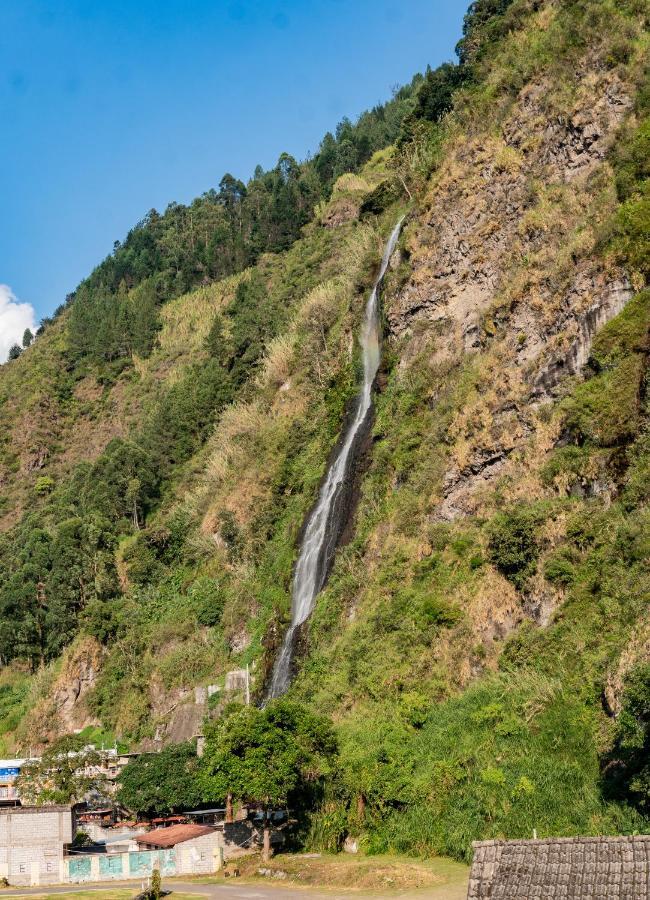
175	834
205	812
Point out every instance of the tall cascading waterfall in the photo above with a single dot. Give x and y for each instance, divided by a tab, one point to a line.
327	518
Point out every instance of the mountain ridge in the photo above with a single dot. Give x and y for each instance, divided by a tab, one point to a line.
494	586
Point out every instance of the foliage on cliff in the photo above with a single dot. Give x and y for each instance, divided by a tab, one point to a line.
480	645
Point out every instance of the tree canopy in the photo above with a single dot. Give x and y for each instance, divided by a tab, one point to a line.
67	772
266	755
161	783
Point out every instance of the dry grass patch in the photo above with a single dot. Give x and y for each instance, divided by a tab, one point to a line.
364	873
186	321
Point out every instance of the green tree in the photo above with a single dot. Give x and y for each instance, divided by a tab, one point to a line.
28	337
66	773
434	96
266	756
161	783
627	766
14	351
156	885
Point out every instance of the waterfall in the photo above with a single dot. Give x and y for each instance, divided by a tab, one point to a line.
327	518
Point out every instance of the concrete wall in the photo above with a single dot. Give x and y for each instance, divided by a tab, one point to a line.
31	843
198	855
201	856
118	866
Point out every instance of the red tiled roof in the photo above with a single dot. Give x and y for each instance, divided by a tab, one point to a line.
175	834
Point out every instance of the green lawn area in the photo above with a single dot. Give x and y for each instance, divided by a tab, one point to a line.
440	878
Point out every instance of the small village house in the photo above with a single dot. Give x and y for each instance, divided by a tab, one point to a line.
199	848
9	771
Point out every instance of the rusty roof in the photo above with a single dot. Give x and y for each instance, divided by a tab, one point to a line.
580	868
175	834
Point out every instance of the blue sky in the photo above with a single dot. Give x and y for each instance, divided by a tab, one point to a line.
111	107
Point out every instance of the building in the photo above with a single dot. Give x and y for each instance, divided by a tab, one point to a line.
178	850
32	843
107	770
611	868
199	848
9	771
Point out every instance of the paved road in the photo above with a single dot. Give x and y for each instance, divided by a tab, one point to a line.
248	891
220	891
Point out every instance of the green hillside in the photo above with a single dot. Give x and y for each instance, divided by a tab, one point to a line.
482	646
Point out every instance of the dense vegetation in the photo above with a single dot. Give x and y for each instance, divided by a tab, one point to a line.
486	672
115	310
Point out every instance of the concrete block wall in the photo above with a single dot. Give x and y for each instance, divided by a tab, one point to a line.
200	856
31	843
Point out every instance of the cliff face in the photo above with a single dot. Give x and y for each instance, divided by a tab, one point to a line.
503	283
491	589
502	267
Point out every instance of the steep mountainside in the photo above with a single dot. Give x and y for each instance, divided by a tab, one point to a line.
486	619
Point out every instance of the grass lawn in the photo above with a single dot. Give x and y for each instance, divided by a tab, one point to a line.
442	879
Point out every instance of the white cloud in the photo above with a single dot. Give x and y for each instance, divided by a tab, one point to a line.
15	317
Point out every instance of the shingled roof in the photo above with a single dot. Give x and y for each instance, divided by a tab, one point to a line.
589	868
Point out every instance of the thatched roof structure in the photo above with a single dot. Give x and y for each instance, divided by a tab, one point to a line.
591	868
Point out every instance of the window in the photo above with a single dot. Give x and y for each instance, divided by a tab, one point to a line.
22	868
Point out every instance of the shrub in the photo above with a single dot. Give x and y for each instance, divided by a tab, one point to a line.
208	599
559	568
512	545
627	766
44	485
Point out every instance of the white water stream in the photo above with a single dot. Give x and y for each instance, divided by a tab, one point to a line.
322	530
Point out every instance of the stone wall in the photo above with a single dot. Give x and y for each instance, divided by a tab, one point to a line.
243	837
582	868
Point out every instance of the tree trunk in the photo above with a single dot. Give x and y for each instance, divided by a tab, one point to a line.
266	846
361	806
229	810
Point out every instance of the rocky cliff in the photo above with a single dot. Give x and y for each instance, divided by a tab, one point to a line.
488	602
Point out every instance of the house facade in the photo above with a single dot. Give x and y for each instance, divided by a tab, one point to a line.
9	771
198	848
